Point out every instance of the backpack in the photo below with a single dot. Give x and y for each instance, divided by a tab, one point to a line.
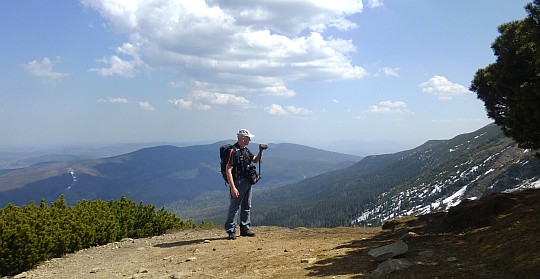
224	153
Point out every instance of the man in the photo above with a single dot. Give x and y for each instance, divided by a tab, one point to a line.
237	172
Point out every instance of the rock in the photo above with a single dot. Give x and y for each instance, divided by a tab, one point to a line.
180	275
390	266
190	259
96	269
142	270
389	251
21	275
390	224
452	259
408	235
308	260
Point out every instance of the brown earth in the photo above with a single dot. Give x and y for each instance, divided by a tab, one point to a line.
495	237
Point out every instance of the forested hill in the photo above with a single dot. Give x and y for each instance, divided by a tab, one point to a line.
431	177
158	175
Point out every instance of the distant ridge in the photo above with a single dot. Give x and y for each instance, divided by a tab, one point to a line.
431	177
158	174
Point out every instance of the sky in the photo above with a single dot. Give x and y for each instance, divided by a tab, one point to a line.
345	75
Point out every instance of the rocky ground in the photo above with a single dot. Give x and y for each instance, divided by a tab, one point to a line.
495	237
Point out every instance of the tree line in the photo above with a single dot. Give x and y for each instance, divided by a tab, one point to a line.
33	233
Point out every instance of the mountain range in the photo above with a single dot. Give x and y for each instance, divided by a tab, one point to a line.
432	177
300	185
157	175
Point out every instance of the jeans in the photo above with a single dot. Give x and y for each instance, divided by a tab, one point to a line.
242	203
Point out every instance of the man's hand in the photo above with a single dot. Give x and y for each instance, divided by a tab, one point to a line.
234	192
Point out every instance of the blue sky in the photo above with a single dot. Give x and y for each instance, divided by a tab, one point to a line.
341	75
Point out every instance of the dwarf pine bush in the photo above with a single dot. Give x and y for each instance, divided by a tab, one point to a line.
31	234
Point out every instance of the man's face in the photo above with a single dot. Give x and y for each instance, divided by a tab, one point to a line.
246	140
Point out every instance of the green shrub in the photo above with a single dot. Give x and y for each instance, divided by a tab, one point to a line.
31	234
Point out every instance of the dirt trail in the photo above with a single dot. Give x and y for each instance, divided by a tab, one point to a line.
275	252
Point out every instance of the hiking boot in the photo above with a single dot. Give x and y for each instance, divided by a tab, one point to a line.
245	231
232	236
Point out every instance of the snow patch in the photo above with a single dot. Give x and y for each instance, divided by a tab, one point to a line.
527	184
456	198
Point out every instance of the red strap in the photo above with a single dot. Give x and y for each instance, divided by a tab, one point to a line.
230	155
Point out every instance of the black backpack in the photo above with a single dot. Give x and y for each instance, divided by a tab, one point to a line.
224	152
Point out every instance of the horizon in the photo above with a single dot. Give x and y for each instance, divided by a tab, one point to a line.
344	147
95	72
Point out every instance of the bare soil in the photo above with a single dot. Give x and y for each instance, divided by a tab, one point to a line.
495	237
274	252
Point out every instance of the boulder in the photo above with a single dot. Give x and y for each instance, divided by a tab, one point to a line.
389	251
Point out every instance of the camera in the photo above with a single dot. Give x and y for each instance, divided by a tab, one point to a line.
263	146
252	174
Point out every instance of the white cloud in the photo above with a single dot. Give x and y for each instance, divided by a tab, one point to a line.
275	109
119	66
113	100
390	71
375	3
276	89
443	88
182	103
146	106
389	107
293	16
204	100
43	68
220	99
279	90
386	71
255	44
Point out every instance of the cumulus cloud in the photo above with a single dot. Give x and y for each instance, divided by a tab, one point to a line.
276	109
277	89
119	66
113	100
443	88
389	107
256	44
204	100
221	99
44	68
146	106
181	103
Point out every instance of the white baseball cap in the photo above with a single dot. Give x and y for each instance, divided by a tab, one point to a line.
244	133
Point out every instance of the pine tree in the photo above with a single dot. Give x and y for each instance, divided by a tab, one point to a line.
510	87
